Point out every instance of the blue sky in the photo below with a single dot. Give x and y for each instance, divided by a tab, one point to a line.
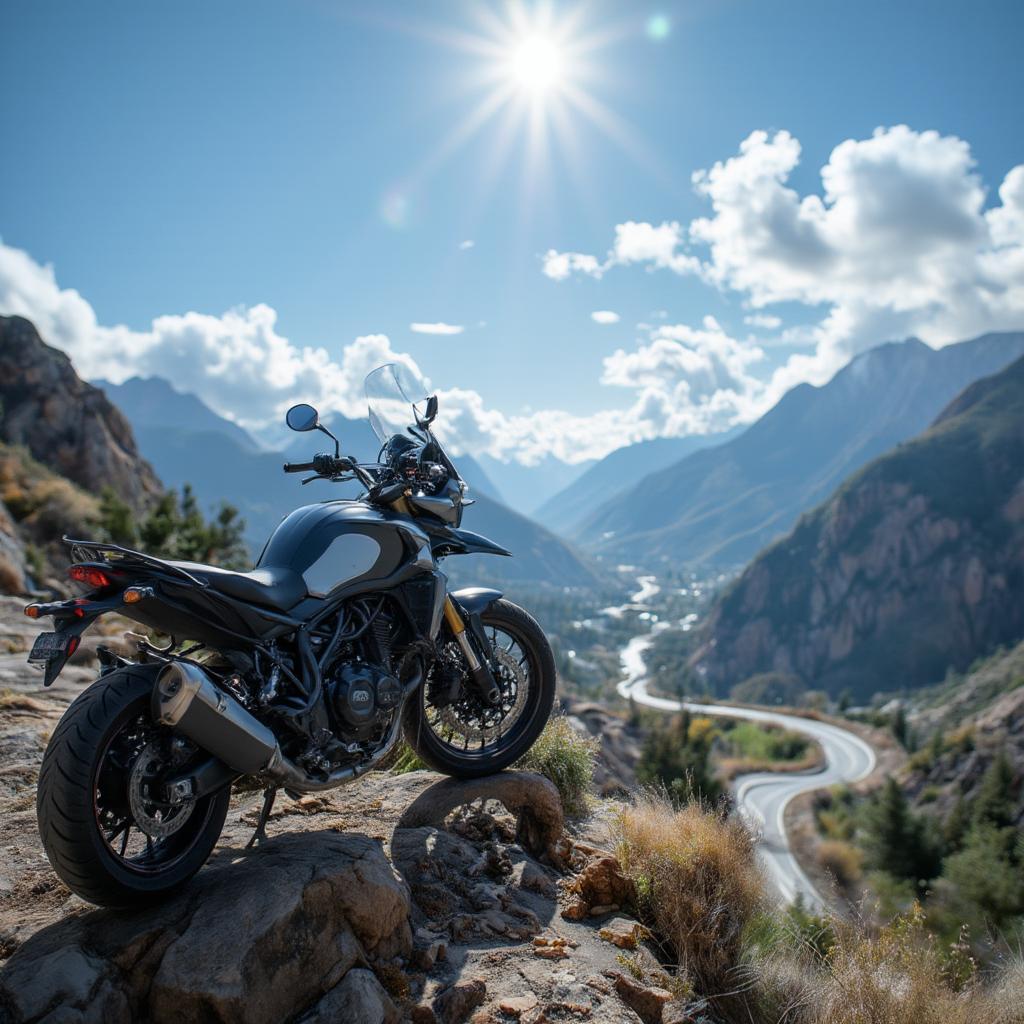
168	159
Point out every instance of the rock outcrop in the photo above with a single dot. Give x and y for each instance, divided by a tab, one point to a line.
255	942
915	564
396	898
65	423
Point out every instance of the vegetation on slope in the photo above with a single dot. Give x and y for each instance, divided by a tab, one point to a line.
700	891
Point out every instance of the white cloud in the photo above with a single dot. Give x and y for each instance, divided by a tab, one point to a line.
685	380
467	244
765	321
560	265
604	316
898	243
635	242
437	328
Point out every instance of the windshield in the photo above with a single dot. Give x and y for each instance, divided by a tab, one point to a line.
394	396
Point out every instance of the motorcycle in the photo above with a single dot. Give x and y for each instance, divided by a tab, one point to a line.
304	672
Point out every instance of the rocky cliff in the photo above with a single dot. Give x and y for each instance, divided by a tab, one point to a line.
65	423
914	565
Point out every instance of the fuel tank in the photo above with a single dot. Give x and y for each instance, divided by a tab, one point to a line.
344	543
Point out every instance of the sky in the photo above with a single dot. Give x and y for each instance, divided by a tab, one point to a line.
586	223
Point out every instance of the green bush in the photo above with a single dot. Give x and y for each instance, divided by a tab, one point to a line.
565	757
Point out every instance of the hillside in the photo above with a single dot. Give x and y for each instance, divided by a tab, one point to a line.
65	423
615	473
722	505
188	442
915	565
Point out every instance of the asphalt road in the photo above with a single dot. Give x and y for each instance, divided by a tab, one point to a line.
762	797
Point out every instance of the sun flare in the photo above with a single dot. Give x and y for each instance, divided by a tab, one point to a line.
537	63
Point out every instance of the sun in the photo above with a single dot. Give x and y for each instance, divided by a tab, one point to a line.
537	63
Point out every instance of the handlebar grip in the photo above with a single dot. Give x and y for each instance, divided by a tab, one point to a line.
298	467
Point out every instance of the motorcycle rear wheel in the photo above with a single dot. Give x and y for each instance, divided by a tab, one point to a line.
466	740
105	830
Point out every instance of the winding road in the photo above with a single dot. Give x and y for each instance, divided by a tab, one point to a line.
762	797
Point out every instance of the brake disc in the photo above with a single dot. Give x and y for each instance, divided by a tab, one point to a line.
153	815
511	673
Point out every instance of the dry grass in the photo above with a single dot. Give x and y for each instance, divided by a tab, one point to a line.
699	887
702	894
899	976
812	761
843	861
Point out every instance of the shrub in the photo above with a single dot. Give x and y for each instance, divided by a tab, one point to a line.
841	860
699	887
566	757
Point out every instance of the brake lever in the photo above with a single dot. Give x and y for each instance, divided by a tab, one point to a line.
315	476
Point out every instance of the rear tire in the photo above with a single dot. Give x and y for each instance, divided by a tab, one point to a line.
515	622
71	791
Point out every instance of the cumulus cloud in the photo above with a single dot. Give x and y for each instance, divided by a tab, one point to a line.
604	316
690	380
242	367
635	242
898	243
466	244
436	328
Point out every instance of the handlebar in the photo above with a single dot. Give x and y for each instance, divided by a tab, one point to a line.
298	467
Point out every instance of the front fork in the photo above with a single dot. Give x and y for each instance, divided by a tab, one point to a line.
481	673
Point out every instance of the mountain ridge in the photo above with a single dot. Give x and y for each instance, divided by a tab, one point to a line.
915	564
720	506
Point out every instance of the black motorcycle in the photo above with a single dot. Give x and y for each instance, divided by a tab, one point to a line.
303	672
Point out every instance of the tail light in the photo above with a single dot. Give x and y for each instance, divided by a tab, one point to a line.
89	575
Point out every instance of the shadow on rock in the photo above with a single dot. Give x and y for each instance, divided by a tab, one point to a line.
255	939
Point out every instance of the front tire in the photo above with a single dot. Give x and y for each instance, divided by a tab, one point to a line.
454	742
93	789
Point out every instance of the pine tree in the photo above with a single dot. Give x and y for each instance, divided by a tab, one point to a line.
896	840
995	804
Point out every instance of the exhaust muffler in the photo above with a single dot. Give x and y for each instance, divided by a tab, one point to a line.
185	699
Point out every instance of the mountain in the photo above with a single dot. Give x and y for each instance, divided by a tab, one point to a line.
152	402
617	472
527	488
64	423
720	506
914	566
221	467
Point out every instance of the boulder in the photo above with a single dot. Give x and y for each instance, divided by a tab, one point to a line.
254	942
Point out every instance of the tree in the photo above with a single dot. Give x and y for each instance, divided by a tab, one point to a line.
117	519
176	528
995	804
898	724
896	840
676	756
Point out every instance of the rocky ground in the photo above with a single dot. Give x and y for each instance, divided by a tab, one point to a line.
396	898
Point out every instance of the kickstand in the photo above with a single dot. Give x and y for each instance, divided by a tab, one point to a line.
260	835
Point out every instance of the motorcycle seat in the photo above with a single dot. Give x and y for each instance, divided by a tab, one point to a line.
269	586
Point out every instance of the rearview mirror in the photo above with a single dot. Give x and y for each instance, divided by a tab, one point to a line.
302	418
430	413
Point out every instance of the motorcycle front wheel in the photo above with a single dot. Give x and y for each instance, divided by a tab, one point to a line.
106	828
465	738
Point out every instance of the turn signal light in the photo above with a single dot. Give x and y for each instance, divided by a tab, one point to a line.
135	594
32	611
89	575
